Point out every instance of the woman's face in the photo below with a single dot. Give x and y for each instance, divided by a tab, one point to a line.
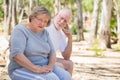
40	22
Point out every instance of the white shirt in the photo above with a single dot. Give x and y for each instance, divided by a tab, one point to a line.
58	38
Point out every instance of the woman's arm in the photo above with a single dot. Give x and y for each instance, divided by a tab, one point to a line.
52	59
22	60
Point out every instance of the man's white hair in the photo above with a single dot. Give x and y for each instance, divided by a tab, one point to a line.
66	12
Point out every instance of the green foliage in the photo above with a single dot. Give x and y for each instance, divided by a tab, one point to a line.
74	30
118	2
97	49
113	25
1	2
85	30
48	4
99	55
117	47
1	15
1	10
88	5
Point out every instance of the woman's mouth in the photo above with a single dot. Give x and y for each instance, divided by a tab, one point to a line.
40	26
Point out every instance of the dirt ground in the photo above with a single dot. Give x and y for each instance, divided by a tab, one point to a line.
89	67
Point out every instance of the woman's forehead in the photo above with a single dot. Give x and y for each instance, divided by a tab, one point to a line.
43	15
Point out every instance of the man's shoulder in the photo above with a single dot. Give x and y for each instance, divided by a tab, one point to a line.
50	28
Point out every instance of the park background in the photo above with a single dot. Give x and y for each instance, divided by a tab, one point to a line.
95	27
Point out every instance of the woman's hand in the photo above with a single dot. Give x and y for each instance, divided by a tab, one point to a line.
43	69
50	68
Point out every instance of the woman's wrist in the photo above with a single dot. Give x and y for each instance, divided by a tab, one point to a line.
36	69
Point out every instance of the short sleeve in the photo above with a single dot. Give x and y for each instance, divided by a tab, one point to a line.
63	44
17	42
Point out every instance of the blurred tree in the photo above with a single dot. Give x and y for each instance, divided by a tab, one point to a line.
7	16
14	13
10	16
48	4
117	8
105	23
94	22
57	6
32	4
87	5
1	10
22	10
80	35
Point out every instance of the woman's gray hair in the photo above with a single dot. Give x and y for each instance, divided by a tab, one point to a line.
38	11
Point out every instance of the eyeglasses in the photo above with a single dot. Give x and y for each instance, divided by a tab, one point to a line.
42	21
62	18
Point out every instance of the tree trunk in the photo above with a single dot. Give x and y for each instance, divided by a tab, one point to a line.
118	24
80	35
94	22
7	17
57	6
17	5
14	14
22	11
117	8
32	4
105	24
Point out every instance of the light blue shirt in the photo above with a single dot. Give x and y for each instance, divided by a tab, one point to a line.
35	46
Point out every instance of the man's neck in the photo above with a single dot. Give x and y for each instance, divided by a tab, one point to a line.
55	26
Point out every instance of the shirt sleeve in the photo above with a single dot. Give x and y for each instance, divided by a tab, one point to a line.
62	42
17	42
63	45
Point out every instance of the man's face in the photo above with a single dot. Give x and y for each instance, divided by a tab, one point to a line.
61	21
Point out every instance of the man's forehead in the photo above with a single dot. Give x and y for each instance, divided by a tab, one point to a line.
65	16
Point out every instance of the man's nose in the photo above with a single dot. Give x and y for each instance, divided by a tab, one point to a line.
62	21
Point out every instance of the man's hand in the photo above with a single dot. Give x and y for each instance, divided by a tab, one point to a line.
67	32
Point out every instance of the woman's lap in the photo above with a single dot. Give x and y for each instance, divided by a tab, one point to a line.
23	74
57	74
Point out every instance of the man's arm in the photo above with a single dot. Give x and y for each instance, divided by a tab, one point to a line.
68	50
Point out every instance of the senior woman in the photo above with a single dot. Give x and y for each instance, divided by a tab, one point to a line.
32	56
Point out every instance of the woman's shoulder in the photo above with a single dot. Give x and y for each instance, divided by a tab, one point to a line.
21	29
20	26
